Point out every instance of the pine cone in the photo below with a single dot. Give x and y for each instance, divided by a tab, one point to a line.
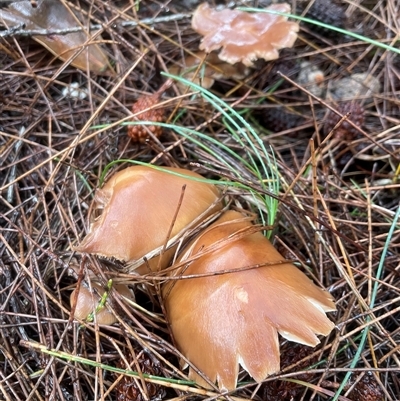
127	389
327	12
367	389
280	390
139	133
277	119
345	131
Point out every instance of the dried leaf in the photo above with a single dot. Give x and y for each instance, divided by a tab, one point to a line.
52	14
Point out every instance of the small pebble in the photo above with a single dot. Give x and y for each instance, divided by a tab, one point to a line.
312	78
361	84
74	92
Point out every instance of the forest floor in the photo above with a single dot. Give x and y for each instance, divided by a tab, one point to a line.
339	187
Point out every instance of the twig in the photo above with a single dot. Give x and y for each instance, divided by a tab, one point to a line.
18	31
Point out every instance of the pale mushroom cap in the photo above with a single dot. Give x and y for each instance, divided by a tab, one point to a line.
139	204
87	302
244	37
222	320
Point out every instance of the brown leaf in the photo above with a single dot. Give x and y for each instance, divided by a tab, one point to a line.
52	14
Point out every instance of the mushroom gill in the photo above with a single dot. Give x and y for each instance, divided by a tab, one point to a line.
138	206
222	319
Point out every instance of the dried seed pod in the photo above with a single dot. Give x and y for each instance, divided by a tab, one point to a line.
345	131
139	133
222	320
138	207
356	85
244	37
87	302
312	78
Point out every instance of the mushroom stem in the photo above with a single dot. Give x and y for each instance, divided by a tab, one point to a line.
203	69
92	305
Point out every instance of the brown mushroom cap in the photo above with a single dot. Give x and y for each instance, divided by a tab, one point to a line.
139	204
87	302
220	321
244	37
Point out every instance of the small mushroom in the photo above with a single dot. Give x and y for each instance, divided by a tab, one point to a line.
221	320
244	37
87	303
138	206
213	68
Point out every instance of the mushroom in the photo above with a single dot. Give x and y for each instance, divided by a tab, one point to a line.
138	207
87	302
212	68
244	37
221	320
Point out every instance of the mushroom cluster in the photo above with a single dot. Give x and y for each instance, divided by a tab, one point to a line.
86	303
138	216
241	292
